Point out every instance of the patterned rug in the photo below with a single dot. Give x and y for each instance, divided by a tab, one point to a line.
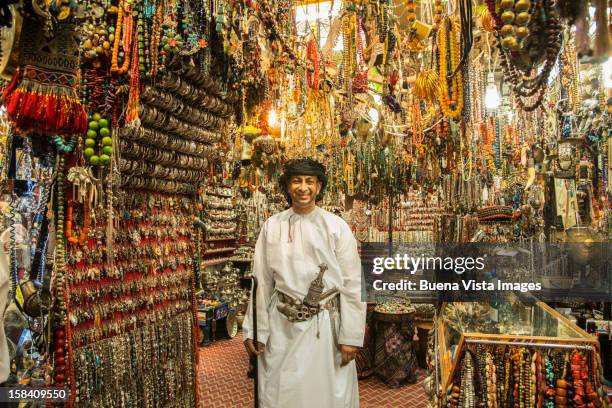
223	382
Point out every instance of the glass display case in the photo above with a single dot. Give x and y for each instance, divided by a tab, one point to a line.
488	328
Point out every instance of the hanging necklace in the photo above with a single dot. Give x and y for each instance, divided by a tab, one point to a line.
417	126
126	26
451	87
156	37
465	149
313	55
65	148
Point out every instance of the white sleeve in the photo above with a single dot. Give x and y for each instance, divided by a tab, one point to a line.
265	287
352	309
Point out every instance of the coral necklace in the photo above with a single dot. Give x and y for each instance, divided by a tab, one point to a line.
127	38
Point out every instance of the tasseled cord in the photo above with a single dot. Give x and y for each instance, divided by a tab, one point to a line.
290	234
290	231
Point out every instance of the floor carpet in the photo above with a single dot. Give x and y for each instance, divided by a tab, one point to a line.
223	382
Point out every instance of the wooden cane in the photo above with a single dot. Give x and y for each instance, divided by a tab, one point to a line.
254	359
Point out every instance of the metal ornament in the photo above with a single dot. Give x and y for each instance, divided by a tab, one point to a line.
301	311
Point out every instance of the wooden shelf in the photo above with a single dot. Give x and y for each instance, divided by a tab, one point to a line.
218	250
219	195
206	263
220	239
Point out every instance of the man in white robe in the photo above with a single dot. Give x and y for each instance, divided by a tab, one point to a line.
307	363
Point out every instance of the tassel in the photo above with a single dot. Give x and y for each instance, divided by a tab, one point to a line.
80	118
38	111
49	111
28	103
36	105
12	102
13	84
57	119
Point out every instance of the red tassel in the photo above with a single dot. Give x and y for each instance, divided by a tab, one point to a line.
13	84
24	108
33	105
31	101
48	113
42	109
81	123
60	116
74	111
66	114
12	101
77	122
28	115
61	120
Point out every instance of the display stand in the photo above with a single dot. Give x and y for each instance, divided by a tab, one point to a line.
533	327
217	322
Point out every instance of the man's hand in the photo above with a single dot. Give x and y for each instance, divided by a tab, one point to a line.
348	353
249	344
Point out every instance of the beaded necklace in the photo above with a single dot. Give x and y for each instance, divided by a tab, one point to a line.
348	170
507	369
369	169
498	143
528	373
313	55
476	82
63	147
156	37
535	86
132	111
123	23
417	127
491	380
550	383
347	53
383	19
360	79
538	380
517	382
468	394
451	88
568	65
465	149
59	272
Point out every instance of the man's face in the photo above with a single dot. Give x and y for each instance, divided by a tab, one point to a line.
303	191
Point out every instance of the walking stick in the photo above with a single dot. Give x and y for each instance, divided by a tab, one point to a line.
253	372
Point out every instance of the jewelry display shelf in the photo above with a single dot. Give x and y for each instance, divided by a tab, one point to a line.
535	326
218	251
221	239
219	194
214	262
